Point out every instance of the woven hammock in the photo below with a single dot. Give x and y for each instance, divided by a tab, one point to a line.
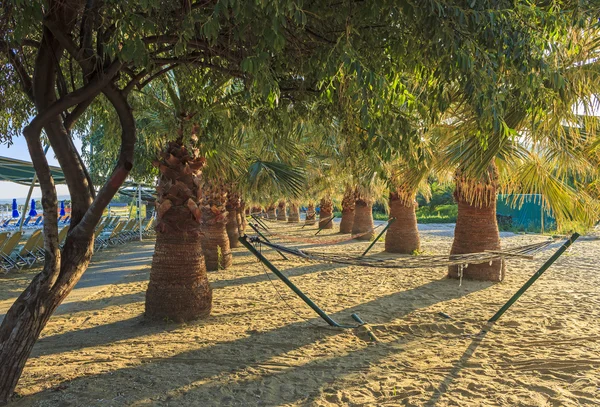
325	242
407	262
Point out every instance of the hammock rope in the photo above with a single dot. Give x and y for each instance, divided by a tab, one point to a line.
407	262
308	240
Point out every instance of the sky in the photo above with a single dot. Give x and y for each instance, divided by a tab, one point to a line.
19	151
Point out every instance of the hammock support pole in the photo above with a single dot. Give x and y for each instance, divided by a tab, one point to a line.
253	226
533	278
260	222
243	240
321	228
392	220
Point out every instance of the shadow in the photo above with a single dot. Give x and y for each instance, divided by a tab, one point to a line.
458	367
292	272
225	357
98	304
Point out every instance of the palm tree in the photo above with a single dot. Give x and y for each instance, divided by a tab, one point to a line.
348	206
325	213
281	210
537	150
294	212
178	287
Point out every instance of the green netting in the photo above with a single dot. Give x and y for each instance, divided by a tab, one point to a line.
22	172
524	211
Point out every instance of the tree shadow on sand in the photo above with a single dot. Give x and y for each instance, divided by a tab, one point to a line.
223	358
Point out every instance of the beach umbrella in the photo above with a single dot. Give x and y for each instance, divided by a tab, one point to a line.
62	208
15	210
33	212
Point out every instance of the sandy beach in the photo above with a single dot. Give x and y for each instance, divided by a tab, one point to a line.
262	346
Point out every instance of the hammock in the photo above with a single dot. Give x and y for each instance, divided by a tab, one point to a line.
407	262
321	241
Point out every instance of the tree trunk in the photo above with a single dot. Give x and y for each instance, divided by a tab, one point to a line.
326	213
403	235
281	211
29	314
294	213
216	245
348	205
311	214
215	241
233	219
363	220
477	228
242	217
271	212
178	289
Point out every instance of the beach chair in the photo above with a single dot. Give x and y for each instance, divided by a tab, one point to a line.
113	237
100	243
37	221
6	261
5	223
28	254
3	238
125	233
26	223
62	236
148	229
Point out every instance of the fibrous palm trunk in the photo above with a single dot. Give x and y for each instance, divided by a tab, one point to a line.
215	241
233	219
476	226
178	287
242	217
271	212
403	235
281	211
363	219
348	205
311	214
326	213
294	213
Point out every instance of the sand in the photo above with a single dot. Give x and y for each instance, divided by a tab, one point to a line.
257	349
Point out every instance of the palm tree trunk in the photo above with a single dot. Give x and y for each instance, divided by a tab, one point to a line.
477	228
311	214
216	246
348	205
363	219
271	212
294	213
403	235
178	287
233	226
215	241
242	217
281	211
325	221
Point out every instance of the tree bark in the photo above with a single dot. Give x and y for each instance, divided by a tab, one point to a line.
178	289
325	214
233	219
242	217
27	317
476	227
403	235
216	247
294	213
215	241
271	212
348	205
311	214
363	220
281	215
